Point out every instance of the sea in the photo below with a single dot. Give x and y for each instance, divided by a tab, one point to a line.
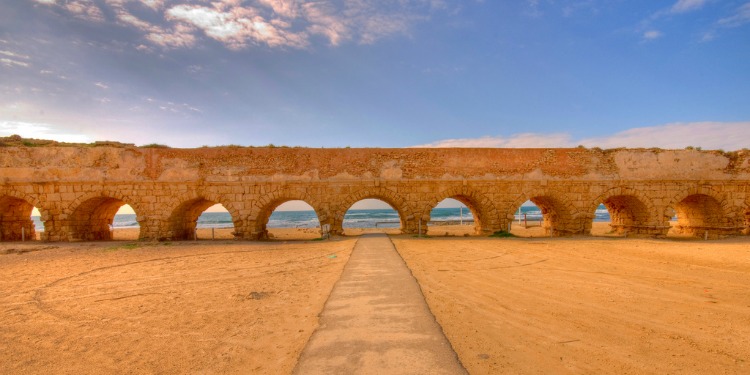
381	218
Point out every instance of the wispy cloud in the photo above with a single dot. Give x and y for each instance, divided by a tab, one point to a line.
83	9
14	55
184	109
237	26
652	34
13	59
682	6
153	4
523	140
647	27
708	135
11	62
740	17
274	23
178	37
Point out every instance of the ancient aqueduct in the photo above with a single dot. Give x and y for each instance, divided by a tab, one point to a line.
79	189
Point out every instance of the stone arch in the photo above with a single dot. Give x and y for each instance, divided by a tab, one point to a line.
15	215
90	216
484	211
559	214
183	219
702	211
405	214
631	212
266	205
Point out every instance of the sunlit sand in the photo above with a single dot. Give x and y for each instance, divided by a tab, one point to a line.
598	304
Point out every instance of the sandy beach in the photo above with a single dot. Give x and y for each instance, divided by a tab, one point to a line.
507	305
534	229
589	305
221	307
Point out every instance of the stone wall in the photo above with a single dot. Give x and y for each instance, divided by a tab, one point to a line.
78	189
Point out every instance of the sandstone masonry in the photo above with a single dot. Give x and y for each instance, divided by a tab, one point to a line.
78	190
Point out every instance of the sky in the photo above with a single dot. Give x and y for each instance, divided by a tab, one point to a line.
378	73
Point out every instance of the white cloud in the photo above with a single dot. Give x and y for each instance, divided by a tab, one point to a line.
679	8
325	22
101	85
275	23
41	131
129	19
179	37
523	140
682	6
85	9
14	55
236	26
216	24
708	135
11	63
652	34
739	18
13	59
153	4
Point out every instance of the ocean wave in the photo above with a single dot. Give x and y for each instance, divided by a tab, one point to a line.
352	219
125	224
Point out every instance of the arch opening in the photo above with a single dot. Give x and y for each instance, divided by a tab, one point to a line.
698	215
94	220
200	218
539	216
291	220
125	224
454	216
620	215
372	215
17	220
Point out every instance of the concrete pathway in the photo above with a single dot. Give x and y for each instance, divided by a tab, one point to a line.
376	321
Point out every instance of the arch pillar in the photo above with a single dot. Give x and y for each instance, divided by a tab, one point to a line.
572	225
55	224
326	217
181	219
703	212
631	212
337	224
560	216
150	226
89	216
